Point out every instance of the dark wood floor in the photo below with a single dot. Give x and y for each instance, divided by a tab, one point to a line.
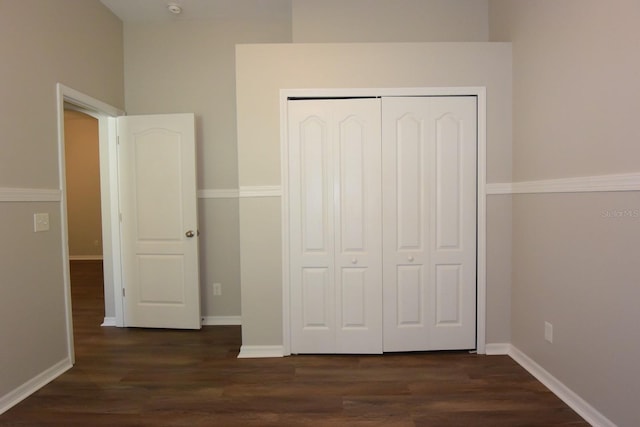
135	377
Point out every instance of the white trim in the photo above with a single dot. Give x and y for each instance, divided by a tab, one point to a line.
260	351
86	103
497	349
29	195
221	320
244	191
480	92
284	218
17	395
568	396
581	184
386	92
85	257
481	222
219	193
109	321
261	191
500	188
110	191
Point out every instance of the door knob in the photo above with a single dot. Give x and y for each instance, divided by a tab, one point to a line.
354	261
189	233
410	258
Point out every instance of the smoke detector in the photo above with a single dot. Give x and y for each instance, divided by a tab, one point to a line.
174	8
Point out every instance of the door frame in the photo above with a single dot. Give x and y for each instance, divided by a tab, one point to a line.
106	115
481	194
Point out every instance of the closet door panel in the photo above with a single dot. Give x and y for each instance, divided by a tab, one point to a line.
429	188
406	160
453	252
358	223
312	266
335	221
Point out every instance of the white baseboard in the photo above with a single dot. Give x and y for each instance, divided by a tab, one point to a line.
109	321
221	320
568	396
85	257
36	383
260	351
206	321
497	349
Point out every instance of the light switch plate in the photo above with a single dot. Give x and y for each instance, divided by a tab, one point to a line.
40	222
548	332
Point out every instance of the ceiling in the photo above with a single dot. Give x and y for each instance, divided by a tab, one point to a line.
130	11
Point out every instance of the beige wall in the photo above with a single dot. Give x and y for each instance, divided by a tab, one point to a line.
189	66
32	309
77	43
262	70
576	86
331	21
82	165
499	259
576	92
578	269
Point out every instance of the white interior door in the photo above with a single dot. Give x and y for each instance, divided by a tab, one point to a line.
429	223
159	221
335	222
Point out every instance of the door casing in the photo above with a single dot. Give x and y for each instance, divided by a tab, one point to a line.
480	93
106	115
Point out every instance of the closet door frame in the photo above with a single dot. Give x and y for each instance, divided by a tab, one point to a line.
480	94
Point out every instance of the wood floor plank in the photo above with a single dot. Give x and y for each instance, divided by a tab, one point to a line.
141	377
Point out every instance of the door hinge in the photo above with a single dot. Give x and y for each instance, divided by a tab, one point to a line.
123	292
120	216
118	139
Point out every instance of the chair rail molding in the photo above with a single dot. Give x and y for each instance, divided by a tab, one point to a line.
30	195
581	184
242	192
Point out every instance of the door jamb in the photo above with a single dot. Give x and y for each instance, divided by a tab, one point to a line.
106	115
481	194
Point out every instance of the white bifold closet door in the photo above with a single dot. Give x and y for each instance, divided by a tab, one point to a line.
429	222
382	224
335	226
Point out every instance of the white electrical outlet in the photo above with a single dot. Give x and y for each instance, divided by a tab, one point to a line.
548	332
40	222
217	289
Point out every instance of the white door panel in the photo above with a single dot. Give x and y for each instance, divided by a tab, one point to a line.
429	188
334	193
312	265
158	207
453	254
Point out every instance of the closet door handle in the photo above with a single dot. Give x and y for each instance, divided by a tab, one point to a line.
354	260
410	258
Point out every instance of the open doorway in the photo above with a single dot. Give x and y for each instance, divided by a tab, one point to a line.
71	99
84	219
